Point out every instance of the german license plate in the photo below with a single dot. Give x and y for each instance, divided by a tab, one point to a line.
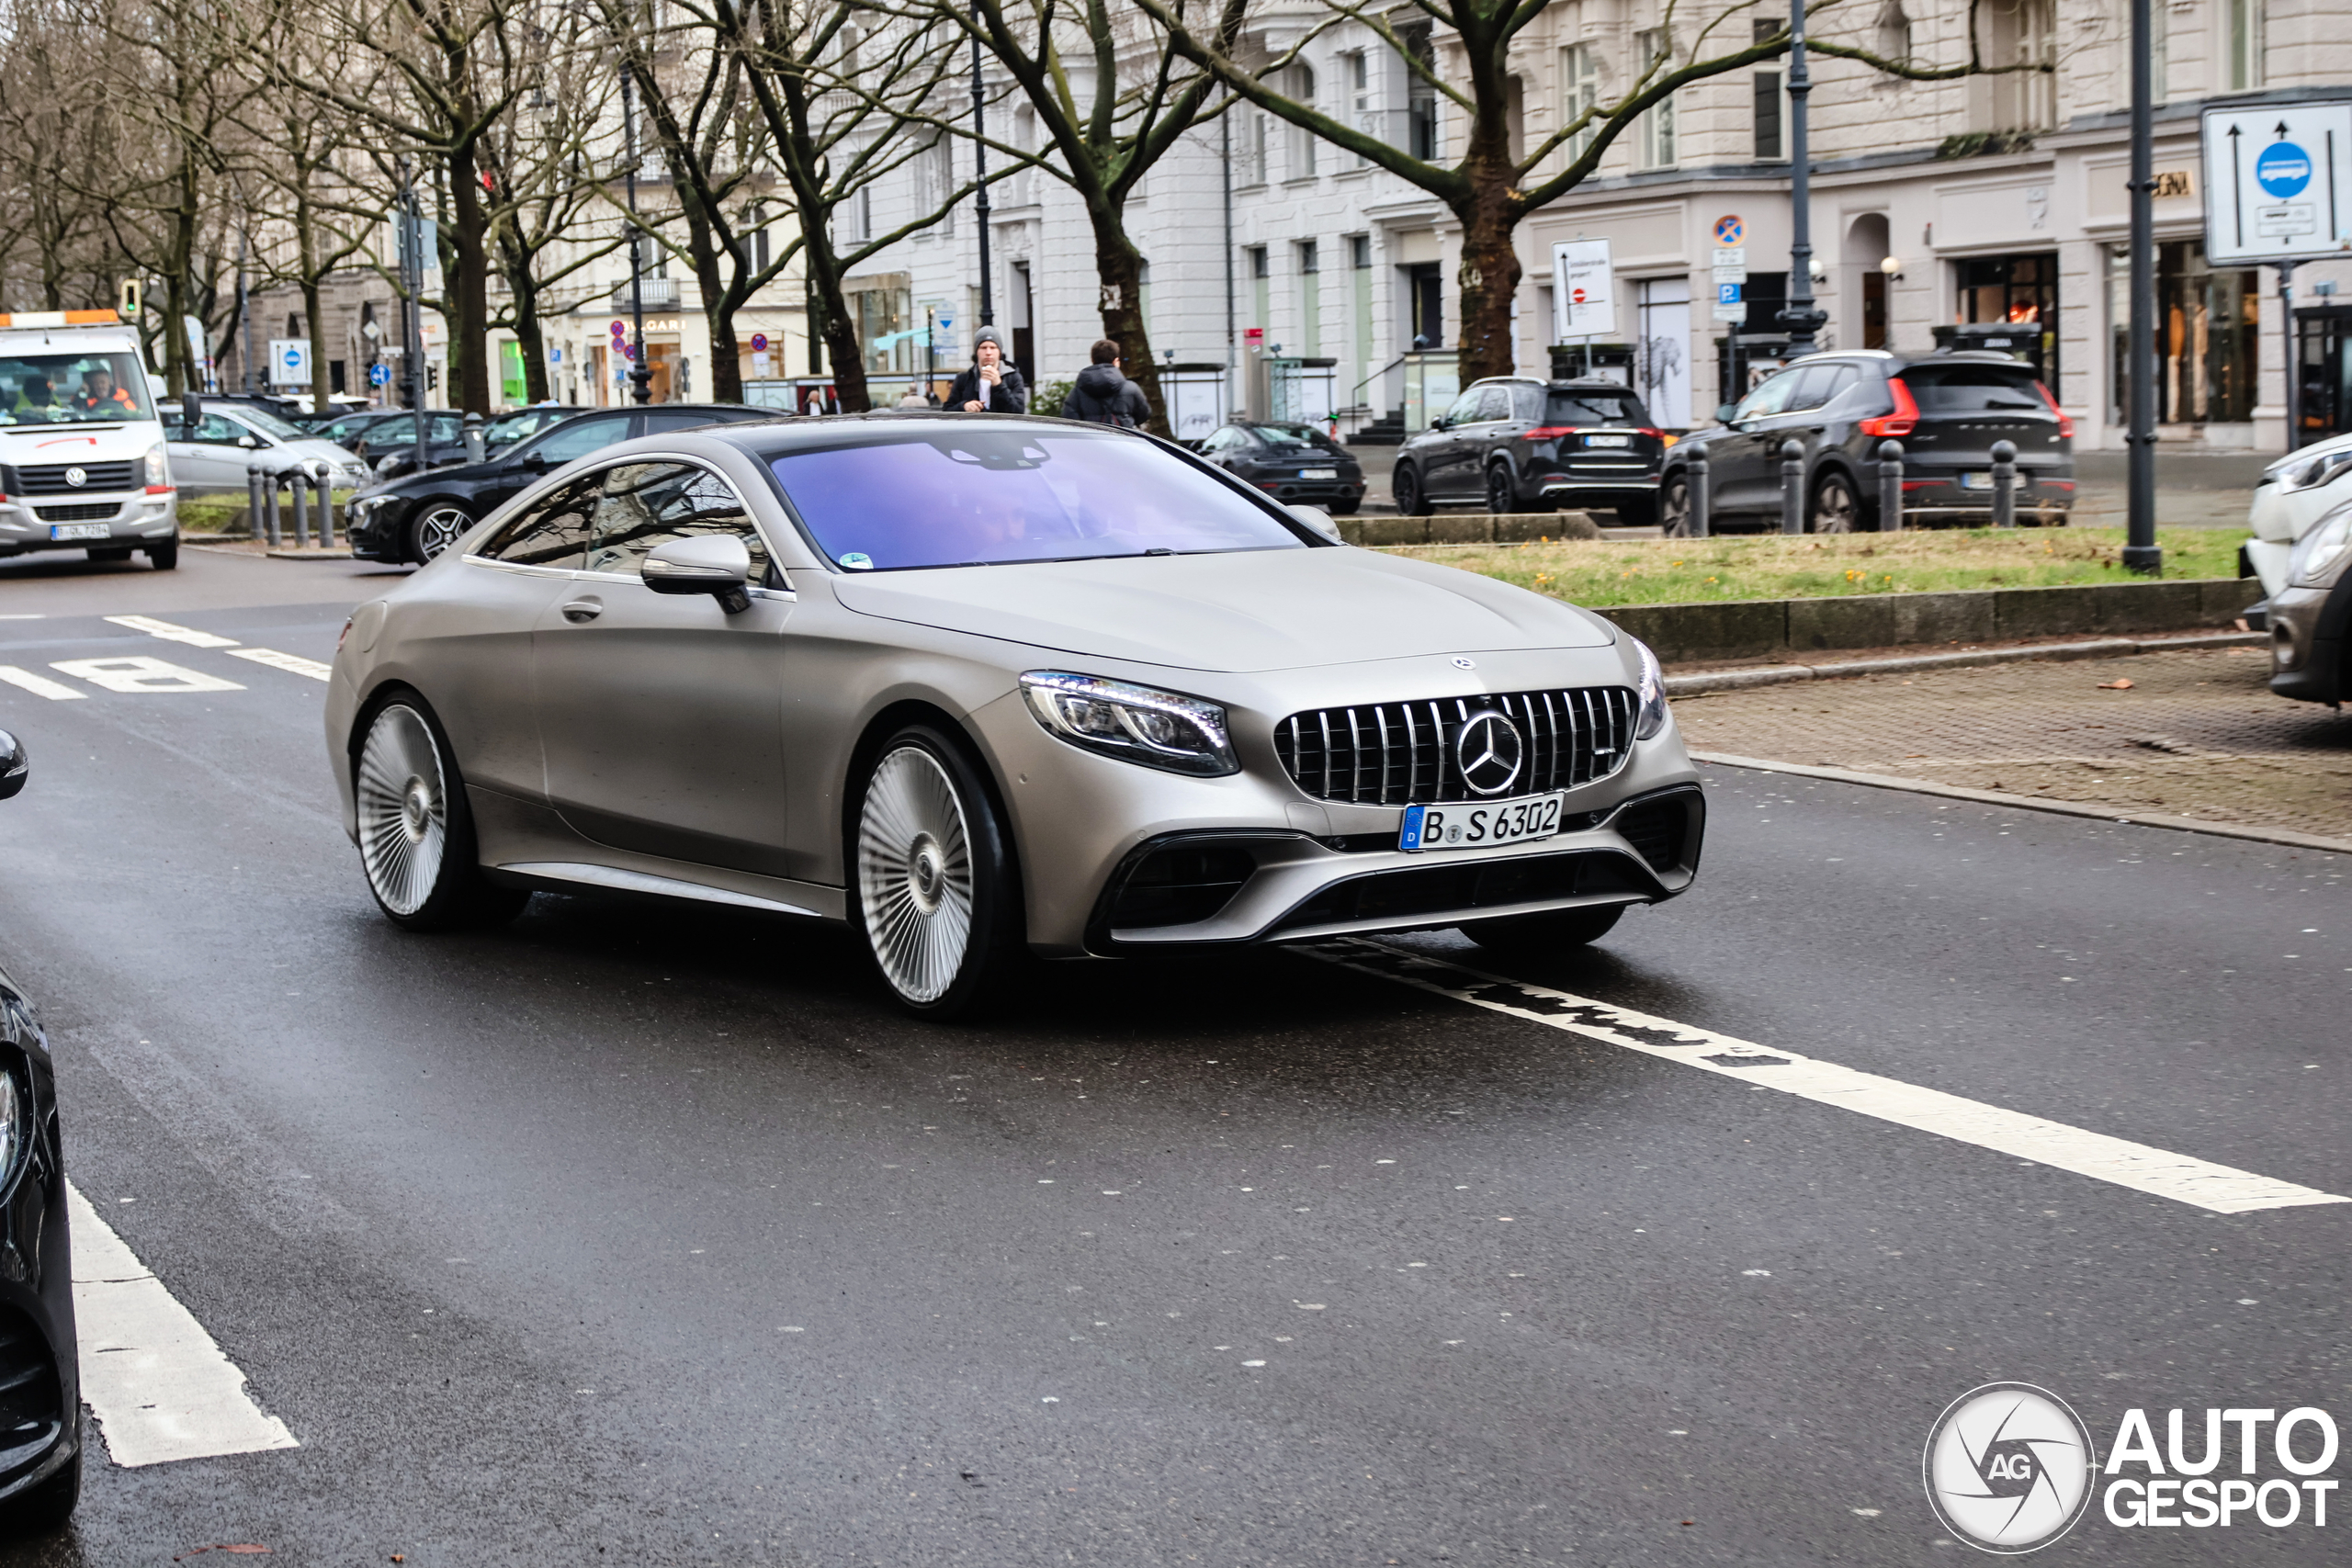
1477	825
1609	441
1976	481
81	531
1319	473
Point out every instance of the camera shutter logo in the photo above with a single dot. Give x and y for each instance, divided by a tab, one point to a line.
2008	1468
77	478
1489	751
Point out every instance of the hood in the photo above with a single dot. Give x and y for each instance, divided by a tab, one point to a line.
315	451
1101	382
1243	612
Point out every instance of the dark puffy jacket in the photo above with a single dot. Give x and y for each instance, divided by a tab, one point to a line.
1009	395
1105	397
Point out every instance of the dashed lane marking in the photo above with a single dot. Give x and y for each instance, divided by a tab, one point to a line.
160	1387
141	673
2182	1178
289	662
171	633
40	685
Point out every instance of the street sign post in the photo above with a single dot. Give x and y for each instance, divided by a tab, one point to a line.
1584	302
289	361
379	375
2278	183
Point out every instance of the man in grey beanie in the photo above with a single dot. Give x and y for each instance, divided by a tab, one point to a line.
991	386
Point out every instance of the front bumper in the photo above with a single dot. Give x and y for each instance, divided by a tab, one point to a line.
374	534
2308	627
135	519
1312	491
40	1394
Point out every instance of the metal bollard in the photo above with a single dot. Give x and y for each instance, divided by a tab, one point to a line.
269	489
1890	487
300	481
1697	493
477	447
323	472
1792	486
2004	484
254	528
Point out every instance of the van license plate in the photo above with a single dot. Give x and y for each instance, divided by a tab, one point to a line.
81	531
1477	825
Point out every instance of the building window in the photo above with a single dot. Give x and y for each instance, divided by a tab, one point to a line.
884	318
1579	94
1364	104
2246	45
1895	35
2206	336
1654	48
1251	156
1260	286
755	219
1420	96
1359	290
1303	142
1310	298
2024	33
934	177
1768	97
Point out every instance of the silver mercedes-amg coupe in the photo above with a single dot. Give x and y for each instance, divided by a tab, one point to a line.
980	686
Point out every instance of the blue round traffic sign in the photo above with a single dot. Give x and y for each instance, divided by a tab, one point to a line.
380	376
2283	170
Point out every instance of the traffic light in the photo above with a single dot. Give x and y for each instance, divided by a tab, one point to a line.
432	378
130	303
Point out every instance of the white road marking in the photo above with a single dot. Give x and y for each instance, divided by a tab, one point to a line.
171	633
291	661
158	1384
2204	1185
141	673
40	685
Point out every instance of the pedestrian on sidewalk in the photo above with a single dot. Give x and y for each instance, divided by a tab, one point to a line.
991	386
1103	395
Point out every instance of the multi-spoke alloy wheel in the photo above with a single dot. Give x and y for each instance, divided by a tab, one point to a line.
437	530
936	897
1835	511
403	810
1674	508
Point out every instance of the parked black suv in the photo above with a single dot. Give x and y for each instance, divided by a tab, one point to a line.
417	516
1289	462
1526	446
1947	409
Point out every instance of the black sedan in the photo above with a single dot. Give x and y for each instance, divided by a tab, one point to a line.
1289	462
41	1385
415	518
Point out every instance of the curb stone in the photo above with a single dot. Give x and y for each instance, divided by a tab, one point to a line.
2103	647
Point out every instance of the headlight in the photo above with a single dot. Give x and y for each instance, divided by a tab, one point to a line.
1650	687
1134	724
2320	556
12	1123
159	472
2301	473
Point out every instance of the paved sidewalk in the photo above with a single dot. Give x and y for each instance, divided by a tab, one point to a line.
2195	734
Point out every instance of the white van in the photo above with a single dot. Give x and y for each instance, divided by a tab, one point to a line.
82	459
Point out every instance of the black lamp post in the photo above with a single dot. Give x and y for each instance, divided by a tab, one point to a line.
1800	315
980	171
2140	551
640	375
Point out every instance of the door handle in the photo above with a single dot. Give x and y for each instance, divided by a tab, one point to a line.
581	611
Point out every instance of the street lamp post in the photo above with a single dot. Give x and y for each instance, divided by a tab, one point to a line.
1800	315
980	171
640	375
2140	551
412	260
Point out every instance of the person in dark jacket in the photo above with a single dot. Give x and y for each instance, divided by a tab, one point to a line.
1103	395
991	386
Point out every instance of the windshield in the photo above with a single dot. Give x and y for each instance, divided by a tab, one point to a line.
982	496
269	423
1593	408
1293	437
1973	388
72	388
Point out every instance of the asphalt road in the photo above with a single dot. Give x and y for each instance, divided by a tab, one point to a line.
634	1235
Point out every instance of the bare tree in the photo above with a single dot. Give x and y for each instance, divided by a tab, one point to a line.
61	153
1490	186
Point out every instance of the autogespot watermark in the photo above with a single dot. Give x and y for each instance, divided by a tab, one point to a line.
2010	1468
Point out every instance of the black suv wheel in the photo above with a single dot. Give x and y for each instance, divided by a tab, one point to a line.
1500	501
1407	487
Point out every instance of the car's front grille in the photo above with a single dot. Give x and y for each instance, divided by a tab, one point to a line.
48	478
30	1413
1181	884
93	513
1404	754
1442	893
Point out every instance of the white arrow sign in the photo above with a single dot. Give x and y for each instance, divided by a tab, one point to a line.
2278	183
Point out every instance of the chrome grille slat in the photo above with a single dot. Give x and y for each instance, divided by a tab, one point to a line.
1401	754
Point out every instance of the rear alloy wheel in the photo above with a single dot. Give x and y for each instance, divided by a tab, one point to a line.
1674	508
416	834
1543	936
1500	503
935	896
1835	509
1407	487
434	529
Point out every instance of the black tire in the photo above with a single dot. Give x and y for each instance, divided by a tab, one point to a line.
1641	513
434	527
165	554
108	552
417	848
1345	508
1546	935
1501	500
1674	507
48	1508
1405	486
1835	509
935	894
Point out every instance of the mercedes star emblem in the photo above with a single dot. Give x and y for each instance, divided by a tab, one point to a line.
77	478
1489	751
1463	661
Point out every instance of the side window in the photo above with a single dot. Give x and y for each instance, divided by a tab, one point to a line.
1817	384
1465	407
580	437
448	429
658	422
1841	381
553	531
1527	403
1768	399
218	432
649	504
1495	405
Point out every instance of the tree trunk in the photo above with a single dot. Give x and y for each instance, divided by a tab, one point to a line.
726	356
314	314
1119	266
530	340
845	355
470	290
1490	273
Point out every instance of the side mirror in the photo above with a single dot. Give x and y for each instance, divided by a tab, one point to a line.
715	564
15	766
1318	519
1439	423
535	461
1724	412
247	442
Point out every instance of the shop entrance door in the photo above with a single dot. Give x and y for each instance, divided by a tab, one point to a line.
2017	292
2322	334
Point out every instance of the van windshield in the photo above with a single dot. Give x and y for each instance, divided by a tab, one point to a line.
72	388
